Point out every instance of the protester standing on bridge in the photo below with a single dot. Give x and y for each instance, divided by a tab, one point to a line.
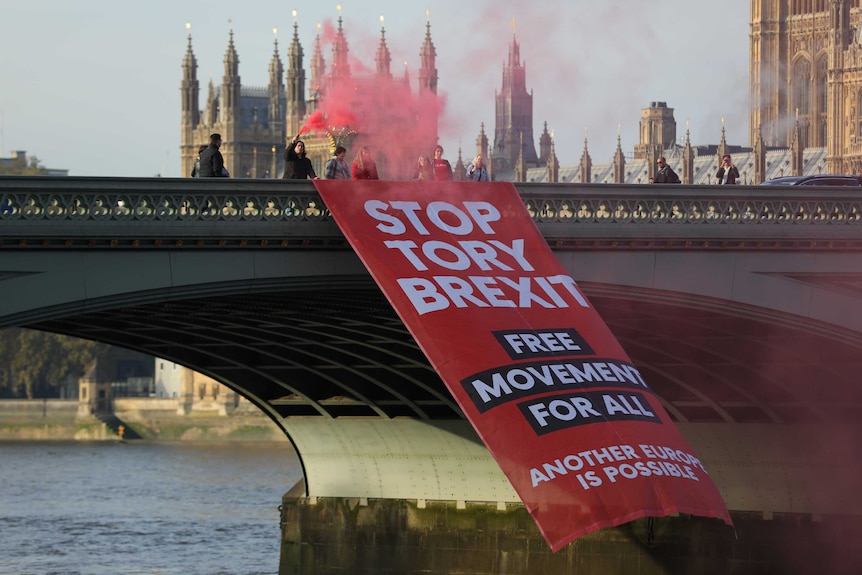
665	174
364	167
337	168
211	161
476	171
296	165
423	170
727	172
442	168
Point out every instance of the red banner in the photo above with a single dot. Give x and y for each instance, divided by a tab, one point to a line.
560	406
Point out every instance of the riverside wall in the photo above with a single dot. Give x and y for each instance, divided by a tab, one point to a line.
154	419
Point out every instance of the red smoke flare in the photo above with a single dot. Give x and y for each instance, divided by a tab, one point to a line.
317	121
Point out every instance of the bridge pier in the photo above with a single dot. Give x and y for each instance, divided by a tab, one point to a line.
333	536
402	496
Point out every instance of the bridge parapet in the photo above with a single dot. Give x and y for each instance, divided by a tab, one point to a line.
37	211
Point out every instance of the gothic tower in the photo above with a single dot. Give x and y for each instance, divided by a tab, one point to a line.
295	86
482	143
190	116
804	67
340	65
544	145
766	85
428	67
514	116
829	123
657	130
585	168
383	59
428	63
318	71
255	122
229	113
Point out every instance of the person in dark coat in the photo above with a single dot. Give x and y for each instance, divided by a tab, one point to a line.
665	174
296	165
212	163
727	172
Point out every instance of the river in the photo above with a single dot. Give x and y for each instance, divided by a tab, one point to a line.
105	508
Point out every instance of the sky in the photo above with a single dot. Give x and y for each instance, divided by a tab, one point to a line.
93	86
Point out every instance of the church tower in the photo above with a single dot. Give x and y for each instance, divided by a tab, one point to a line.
513	130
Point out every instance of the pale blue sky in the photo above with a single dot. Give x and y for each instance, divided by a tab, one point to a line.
93	86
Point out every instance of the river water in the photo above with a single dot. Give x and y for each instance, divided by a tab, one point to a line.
106	508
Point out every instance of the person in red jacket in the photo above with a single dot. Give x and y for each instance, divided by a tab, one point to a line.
442	168
363	167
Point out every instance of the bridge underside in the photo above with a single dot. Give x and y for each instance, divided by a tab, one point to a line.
771	404
318	350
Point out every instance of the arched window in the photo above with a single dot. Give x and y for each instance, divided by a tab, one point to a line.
821	83
801	95
859	112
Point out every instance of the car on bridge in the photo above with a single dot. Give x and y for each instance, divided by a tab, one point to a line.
814	180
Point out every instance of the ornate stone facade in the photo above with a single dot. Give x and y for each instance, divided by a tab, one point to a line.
806	69
257	122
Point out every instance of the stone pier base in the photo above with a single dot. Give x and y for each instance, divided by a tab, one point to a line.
328	536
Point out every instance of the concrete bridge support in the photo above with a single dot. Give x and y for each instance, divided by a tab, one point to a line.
332	536
405	497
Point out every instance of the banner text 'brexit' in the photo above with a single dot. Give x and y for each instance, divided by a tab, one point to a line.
494	289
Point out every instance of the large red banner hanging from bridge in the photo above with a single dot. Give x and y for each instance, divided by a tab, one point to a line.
568	417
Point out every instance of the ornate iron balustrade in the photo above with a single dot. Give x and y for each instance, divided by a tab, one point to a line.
72	208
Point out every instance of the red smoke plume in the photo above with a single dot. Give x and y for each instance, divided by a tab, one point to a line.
394	122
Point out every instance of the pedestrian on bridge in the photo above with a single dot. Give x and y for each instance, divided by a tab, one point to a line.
476	172
196	168
364	167
296	165
727	172
212	163
665	174
337	168
441	166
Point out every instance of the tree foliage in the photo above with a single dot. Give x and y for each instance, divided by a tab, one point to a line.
36	363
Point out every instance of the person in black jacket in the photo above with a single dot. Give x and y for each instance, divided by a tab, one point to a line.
727	172
296	165
665	174
212	163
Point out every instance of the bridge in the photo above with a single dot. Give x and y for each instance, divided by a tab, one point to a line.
739	305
